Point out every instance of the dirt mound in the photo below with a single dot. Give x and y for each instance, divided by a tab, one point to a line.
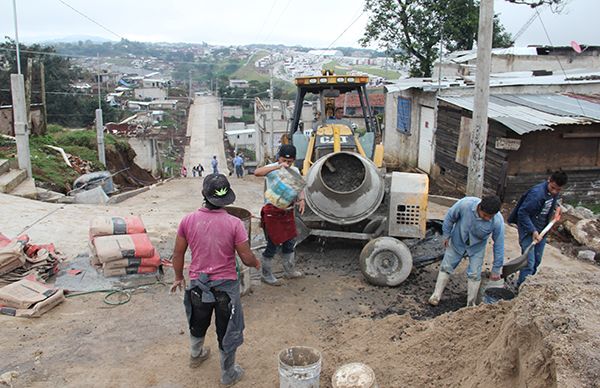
131	176
547	337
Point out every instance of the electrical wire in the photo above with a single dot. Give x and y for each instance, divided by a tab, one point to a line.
92	20
559	63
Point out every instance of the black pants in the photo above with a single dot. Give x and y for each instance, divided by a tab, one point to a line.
202	313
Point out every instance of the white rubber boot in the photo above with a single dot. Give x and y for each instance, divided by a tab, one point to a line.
289	263
267	272
472	290
199	352
440	285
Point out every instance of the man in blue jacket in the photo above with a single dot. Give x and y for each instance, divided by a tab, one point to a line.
533	212
467	226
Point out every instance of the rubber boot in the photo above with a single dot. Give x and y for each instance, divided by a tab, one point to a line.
198	353
440	284
472	290
289	262
231	372
267	272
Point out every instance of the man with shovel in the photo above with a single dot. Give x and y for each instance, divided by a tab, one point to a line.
467	226
533	212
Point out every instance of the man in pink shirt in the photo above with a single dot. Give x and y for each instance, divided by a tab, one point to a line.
214	237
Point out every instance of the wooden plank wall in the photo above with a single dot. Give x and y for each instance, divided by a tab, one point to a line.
583	186
454	175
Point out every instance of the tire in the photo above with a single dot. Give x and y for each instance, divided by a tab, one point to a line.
385	261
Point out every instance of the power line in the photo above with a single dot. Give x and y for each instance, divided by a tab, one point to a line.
262	26
92	20
277	20
346	29
559	63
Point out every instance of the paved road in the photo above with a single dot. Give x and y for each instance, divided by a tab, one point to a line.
206	139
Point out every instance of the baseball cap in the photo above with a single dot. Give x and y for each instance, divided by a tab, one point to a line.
287	151
217	190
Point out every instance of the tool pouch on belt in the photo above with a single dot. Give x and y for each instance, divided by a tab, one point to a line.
279	224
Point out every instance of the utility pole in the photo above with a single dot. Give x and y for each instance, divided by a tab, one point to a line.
17	86
271	136
20	122
100	123
43	93
190	93
28	82
479	129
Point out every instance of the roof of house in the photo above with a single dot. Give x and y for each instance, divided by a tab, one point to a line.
524	113
352	101
240	131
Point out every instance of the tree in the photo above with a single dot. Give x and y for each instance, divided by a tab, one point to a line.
410	30
64	105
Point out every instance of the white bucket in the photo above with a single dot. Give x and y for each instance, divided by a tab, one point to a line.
354	375
299	367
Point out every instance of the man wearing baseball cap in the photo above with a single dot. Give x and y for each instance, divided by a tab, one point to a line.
279	224
214	236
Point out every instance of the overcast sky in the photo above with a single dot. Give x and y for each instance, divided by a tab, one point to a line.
314	23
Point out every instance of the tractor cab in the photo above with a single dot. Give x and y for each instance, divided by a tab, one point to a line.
333	129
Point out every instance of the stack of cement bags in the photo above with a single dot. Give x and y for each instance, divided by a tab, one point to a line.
20	258
121	246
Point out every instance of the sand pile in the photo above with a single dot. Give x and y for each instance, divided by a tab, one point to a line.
547	337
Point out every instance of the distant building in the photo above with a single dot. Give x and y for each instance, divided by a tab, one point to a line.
232	112
238	83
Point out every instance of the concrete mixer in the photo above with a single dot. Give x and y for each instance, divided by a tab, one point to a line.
348	193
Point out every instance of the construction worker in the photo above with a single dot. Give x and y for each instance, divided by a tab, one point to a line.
214	237
279	224
467	226
533	212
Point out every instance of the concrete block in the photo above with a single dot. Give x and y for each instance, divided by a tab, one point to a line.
4	166
10	180
26	189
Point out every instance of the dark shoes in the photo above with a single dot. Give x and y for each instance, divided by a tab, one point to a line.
195	362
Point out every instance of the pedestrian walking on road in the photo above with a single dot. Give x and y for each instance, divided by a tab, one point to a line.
279	224
214	237
238	163
467	226
194	171
183	171
532	213
200	170
214	163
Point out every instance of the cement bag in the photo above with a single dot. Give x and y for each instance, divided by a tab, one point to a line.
283	186
24	293
110	248
128	271
153	261
106	226
12	256
38	309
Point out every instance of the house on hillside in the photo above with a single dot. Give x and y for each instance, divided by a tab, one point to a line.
529	136
238	83
514	59
428	127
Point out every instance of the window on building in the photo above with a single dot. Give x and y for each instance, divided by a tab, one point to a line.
403	119
238	136
250	136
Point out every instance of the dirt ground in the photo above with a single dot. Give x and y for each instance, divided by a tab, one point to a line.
546	337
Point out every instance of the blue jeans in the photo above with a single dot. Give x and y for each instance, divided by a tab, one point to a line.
271	249
452	258
534	259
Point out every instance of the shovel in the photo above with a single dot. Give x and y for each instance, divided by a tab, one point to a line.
521	261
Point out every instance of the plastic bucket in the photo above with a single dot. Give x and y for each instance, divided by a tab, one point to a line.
242	270
283	187
299	367
354	375
496	294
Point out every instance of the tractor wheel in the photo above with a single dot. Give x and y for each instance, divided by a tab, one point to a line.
385	261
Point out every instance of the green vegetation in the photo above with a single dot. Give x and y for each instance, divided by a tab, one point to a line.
249	72
593	206
387	74
48	165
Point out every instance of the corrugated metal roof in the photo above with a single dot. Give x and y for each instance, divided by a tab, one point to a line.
534	112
